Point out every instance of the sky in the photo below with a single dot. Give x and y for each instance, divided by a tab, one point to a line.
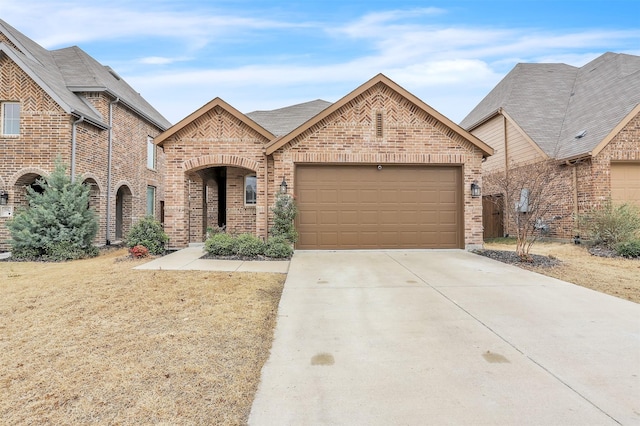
262	55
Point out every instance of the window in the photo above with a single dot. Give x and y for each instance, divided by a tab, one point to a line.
10	119
250	190
151	154
151	200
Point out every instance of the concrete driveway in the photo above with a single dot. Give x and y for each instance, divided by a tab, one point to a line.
445	337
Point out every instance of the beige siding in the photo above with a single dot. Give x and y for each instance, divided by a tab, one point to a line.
492	133
520	150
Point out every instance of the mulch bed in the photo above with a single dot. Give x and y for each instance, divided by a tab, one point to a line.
244	258
512	258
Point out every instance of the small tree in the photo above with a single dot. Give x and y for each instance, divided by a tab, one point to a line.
57	225
284	212
147	232
529	199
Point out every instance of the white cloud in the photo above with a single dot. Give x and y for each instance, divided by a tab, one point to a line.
451	67
65	23
159	60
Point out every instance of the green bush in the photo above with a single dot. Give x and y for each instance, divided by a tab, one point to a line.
57	225
284	214
221	245
147	232
249	245
628	248
612	224
278	248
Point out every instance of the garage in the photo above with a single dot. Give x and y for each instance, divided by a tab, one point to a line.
625	183
379	206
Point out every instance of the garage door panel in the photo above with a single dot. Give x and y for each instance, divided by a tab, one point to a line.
625	183
387	196
307	196
308	217
328	195
363	207
349	217
328	217
369	217
364	195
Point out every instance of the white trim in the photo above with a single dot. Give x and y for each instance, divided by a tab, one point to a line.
244	191
2	119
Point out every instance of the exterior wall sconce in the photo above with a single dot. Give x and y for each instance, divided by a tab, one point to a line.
283	186
475	189
4	198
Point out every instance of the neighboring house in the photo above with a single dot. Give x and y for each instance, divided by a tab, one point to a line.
377	169
64	104
585	119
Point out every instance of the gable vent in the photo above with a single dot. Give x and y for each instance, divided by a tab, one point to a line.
379	124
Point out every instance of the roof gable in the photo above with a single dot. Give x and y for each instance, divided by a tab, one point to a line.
379	79
62	73
283	120
566	111
203	110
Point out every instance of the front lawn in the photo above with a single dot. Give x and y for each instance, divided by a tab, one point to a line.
93	341
618	276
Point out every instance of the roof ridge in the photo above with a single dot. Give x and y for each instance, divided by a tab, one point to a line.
566	110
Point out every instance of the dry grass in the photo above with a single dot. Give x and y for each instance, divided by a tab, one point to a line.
94	341
615	276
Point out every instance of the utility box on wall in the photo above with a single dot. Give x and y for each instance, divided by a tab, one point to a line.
6	211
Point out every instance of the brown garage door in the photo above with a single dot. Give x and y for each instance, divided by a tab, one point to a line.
625	183
362	207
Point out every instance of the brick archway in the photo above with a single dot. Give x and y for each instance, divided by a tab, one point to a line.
206	161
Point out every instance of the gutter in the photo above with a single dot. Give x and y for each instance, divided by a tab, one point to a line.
73	147
109	159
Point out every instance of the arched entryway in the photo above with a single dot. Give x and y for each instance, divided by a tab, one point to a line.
28	180
221	197
124	206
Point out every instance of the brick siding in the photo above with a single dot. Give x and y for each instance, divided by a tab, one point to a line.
219	139
46	134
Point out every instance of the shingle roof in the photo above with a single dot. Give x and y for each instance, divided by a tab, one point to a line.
283	120
66	72
552	103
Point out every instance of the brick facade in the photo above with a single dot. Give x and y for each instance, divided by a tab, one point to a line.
196	156
220	138
587	180
46	134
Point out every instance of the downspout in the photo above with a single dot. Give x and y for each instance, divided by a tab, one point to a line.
506	209
73	147
109	157
266	195
575	193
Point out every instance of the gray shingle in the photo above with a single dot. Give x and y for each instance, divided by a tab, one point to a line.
69	69
554	102
283	120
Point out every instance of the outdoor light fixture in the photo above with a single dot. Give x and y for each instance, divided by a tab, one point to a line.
475	189
4	198
283	186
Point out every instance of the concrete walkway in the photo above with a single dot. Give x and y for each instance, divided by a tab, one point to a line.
189	259
445	337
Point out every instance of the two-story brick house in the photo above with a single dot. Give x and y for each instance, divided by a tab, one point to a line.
585	119
64	104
